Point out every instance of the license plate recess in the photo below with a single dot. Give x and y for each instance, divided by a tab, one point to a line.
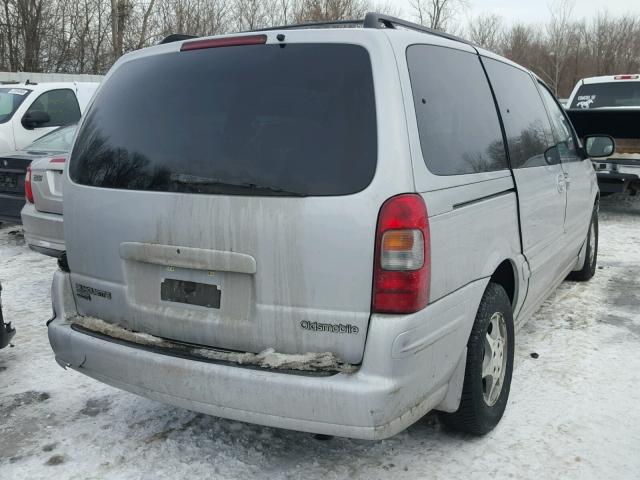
190	293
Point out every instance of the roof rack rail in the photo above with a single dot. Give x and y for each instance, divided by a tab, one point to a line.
371	20
293	26
176	37
378	20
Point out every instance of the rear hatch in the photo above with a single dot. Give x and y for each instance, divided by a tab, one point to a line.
221	198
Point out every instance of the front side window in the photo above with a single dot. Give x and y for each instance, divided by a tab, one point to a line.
61	106
10	100
525	119
456	115
562	134
286	120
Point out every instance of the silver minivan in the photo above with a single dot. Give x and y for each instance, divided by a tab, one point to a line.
331	230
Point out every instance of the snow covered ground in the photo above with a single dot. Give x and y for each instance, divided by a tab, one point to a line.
573	412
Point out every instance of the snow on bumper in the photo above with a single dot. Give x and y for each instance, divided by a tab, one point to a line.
411	365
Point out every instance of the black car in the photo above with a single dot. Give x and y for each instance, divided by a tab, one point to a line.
13	168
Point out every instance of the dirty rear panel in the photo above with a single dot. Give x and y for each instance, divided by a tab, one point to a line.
230	198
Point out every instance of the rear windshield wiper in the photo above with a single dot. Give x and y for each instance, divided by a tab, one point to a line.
197	182
270	188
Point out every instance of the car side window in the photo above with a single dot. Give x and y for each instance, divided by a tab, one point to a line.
457	119
562	134
61	105
526	122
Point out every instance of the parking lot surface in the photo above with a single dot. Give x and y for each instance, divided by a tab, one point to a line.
573	410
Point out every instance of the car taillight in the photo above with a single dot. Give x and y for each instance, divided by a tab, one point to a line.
402	270
28	191
224	42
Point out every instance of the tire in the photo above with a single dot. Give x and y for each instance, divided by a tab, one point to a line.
482	407
588	269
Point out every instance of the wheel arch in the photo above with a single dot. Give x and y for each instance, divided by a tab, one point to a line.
505	276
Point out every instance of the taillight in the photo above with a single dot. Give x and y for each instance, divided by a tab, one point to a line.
224	42
402	272
28	191
626	77
58	160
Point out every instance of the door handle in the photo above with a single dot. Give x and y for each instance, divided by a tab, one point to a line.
561	182
567	180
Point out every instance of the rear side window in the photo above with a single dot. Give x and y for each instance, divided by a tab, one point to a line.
296	119
525	118
61	105
457	119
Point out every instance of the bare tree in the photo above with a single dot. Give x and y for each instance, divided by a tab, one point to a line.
559	40
329	10
86	36
486	31
436	14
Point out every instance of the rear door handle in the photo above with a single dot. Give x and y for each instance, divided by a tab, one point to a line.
567	180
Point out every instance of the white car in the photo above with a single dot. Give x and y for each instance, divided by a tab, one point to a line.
42	213
29	110
333	230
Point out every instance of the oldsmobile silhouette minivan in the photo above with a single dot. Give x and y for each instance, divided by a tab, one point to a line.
331	230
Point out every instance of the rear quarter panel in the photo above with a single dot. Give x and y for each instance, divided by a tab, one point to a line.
473	217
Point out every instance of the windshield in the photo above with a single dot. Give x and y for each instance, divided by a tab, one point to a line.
296	119
597	95
59	140
10	100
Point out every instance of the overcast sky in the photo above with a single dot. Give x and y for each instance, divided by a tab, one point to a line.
531	11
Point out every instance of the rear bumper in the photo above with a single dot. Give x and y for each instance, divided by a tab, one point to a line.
410	366
10	206
43	232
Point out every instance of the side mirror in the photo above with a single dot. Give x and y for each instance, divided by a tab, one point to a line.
552	156
35	119
599	146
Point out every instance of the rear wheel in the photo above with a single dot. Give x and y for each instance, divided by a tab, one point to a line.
489	366
588	269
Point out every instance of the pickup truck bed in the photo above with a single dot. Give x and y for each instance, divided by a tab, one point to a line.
620	172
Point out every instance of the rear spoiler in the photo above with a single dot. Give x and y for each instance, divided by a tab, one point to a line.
616	122
176	37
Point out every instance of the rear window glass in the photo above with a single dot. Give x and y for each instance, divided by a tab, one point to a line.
457	119
296	119
595	95
57	141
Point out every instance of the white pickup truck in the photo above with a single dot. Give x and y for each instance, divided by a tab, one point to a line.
29	110
611	105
